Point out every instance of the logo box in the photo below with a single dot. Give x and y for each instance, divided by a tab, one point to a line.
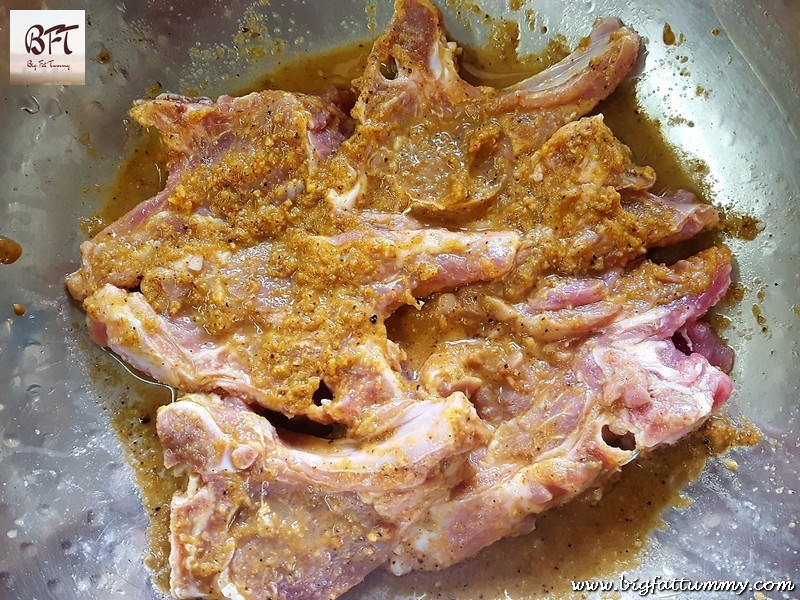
47	47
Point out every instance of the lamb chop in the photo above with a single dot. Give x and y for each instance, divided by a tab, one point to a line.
573	383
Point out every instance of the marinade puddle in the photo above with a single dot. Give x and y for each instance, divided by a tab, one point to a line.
582	540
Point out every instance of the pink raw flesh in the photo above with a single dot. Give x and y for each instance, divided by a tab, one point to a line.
316	451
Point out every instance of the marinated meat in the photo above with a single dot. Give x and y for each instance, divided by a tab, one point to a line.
293	516
291	227
282	341
429	141
573	383
235	166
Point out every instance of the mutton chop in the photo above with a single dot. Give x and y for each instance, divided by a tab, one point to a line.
584	376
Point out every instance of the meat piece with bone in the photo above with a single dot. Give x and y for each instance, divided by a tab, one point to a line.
277	339
233	164
585	207
348	498
587	377
430	141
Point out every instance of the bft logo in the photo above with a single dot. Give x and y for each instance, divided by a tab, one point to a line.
35	38
48	47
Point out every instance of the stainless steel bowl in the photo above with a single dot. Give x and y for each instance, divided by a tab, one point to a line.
71	523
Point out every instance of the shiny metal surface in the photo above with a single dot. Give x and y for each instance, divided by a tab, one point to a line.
71	524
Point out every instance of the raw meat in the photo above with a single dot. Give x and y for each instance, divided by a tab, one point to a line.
232	164
291	227
292	516
587	377
274	322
